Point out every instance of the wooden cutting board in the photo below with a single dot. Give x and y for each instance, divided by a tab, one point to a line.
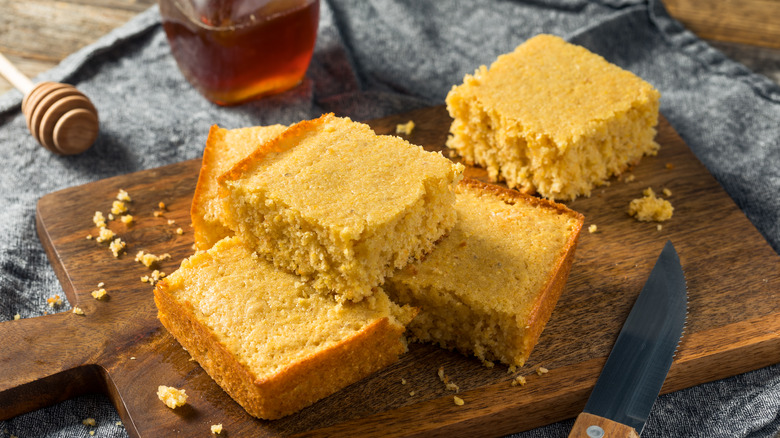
118	347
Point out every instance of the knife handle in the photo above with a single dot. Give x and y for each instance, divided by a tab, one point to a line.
593	426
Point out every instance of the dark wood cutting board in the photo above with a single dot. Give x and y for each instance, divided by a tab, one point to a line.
118	346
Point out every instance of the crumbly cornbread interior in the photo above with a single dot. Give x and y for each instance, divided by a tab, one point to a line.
265	317
481	288
553	118
263	335
224	148
331	200
650	207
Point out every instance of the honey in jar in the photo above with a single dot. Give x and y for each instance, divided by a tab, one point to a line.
236	51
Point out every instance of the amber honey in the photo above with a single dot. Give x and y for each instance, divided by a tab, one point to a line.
235	51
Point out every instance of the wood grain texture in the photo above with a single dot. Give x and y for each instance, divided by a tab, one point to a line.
36	35
120	348
752	22
605	427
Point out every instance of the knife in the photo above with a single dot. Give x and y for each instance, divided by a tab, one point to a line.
637	366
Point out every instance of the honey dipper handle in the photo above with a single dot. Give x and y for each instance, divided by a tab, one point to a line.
14	76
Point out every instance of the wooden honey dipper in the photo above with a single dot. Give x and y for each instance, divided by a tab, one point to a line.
60	117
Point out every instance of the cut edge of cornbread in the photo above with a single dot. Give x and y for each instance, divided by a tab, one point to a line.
555	165
291	386
224	148
349	263
489	335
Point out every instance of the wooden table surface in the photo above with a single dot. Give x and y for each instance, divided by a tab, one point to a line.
37	34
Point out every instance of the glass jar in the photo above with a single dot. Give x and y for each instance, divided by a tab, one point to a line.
239	50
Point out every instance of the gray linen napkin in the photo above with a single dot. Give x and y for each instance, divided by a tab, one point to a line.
375	58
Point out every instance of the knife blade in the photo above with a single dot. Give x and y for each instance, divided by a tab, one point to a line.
641	357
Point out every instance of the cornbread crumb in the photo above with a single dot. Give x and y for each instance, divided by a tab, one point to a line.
132	357
171	221
487	363
157	275
542	370
650	208
458	401
92	432
118	423
99	220
161	205
629	178
669	166
512	369
403	381
127	219
78	311
450	386
519	380
150	260
411	393
105	235
99	293
405	128
158	213
593	228
179	231
17	317
123	196
216	429
88	422
666	192
89	237
171	396
117	246
54	301
101	284
110	216
118	207
153	278
659	227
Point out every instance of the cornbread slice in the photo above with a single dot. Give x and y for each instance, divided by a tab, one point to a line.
490	286
553	118
268	340
331	200
224	148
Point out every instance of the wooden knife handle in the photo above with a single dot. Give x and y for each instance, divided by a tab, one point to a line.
593	426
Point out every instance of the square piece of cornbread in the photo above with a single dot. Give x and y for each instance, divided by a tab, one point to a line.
332	201
489	287
272	343
224	148
553	118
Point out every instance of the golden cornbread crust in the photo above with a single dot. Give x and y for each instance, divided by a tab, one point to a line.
553	118
491	284
224	148
332	201
289	386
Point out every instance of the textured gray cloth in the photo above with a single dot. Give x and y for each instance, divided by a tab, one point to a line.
375	58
